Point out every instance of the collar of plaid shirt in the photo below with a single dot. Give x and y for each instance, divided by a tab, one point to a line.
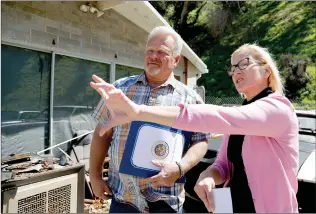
171	81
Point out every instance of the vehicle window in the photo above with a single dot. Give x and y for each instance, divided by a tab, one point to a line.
28	115
305	122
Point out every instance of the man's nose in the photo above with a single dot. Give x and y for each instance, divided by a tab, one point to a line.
154	55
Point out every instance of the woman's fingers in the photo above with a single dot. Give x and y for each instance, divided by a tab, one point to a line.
210	199
203	196
97	79
203	189
95	87
100	82
208	187
107	87
104	95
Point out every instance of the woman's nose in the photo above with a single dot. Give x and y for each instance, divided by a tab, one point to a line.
237	71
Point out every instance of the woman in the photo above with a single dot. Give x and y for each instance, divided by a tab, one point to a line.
258	158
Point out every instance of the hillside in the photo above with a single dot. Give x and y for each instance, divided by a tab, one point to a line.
282	27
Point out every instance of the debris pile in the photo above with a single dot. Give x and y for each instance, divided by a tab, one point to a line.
26	165
22	166
97	206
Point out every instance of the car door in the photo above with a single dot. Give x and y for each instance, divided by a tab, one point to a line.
192	201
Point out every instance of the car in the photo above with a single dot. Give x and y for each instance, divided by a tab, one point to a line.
306	172
12	117
306	194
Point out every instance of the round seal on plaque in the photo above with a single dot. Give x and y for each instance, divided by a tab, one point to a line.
160	149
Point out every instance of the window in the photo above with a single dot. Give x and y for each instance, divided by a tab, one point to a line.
25	83
25	96
125	71
74	99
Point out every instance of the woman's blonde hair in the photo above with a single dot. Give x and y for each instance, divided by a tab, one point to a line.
262	55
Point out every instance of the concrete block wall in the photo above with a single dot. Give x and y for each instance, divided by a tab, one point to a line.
61	26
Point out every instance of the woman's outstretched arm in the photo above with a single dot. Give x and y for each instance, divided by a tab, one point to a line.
165	115
269	116
259	118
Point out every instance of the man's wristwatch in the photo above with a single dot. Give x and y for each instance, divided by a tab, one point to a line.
180	169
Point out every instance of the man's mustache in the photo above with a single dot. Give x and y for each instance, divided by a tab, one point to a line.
155	61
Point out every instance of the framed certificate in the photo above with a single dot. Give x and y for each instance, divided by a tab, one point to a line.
150	141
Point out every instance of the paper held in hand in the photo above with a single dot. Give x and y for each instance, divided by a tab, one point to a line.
222	200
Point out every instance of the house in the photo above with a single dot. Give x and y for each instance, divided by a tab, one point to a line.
50	50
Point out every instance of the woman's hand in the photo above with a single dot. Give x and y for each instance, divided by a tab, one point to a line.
122	109
203	189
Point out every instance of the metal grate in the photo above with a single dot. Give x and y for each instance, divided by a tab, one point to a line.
33	204
59	199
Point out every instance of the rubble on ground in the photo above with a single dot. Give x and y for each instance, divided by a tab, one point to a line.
97	206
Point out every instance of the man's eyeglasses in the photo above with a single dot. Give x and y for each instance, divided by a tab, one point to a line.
242	65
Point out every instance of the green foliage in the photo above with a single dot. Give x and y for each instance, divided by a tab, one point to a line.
71	75
28	86
214	29
282	27
309	96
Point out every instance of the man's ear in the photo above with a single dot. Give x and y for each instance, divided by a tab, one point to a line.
177	60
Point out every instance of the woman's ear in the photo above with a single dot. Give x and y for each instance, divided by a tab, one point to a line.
267	71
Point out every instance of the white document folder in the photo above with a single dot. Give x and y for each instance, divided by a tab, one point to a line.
222	200
150	141
154	143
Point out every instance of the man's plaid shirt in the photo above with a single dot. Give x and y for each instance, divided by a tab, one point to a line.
131	189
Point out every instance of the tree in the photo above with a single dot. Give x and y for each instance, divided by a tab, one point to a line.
185	18
295	75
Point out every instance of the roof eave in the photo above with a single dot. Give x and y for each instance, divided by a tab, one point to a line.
154	19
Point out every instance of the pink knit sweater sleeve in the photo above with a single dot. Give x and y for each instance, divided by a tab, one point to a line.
269	116
221	163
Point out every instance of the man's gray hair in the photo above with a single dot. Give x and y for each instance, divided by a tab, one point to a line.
167	30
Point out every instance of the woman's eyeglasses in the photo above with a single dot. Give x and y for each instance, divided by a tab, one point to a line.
242	65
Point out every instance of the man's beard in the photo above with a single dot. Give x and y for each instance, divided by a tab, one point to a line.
152	71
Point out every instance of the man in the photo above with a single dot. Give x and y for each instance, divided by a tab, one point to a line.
156	86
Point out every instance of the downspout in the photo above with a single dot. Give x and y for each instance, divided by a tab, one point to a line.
185	72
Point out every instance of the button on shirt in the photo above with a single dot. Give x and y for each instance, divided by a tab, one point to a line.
131	189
